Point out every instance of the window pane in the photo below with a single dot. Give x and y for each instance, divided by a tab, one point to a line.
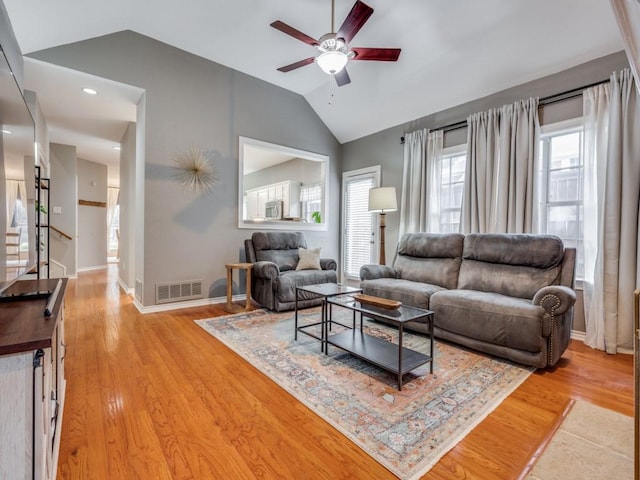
450	221
451	189
563	221
565	185
565	150
458	165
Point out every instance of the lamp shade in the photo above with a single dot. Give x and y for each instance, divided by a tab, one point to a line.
332	62
383	199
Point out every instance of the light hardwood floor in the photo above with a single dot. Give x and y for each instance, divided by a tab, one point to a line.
155	397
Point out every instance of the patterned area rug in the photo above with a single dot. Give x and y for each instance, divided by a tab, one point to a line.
407	431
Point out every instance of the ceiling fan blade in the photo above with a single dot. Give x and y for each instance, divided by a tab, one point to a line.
293	66
380	54
342	77
289	30
357	17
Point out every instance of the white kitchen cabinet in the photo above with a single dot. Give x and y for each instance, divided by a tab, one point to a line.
32	386
287	191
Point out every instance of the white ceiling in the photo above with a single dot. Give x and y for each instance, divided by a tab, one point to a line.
453	51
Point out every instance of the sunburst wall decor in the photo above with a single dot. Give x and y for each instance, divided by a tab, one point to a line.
194	169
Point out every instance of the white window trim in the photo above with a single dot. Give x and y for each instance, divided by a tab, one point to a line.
376	172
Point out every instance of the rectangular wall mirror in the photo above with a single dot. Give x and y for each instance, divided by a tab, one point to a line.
281	188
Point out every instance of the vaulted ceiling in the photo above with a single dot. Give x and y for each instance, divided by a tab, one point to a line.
453	51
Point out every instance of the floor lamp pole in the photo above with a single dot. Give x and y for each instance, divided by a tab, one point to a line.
382	227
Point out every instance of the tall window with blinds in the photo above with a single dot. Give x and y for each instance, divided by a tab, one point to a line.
358	221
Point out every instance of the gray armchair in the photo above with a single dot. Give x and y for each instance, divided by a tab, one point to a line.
274	277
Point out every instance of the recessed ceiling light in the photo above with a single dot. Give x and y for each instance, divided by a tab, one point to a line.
8	132
90	91
116	148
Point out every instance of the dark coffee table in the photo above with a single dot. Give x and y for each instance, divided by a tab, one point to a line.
324	291
390	356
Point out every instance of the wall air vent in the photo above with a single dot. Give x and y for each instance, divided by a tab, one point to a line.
178	291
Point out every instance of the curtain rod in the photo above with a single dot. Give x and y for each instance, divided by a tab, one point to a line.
556	97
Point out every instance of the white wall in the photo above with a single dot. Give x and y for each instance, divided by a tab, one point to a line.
64	196
92	220
126	265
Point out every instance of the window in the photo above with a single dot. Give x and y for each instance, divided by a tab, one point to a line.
359	225
310	202
562	167
114	232
452	168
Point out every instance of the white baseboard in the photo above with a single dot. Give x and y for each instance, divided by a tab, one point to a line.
128	290
97	267
578	335
581	336
203	302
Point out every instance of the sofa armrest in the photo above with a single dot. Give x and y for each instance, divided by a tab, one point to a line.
555	299
371	272
268	270
328	264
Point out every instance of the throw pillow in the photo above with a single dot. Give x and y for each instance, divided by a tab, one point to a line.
309	259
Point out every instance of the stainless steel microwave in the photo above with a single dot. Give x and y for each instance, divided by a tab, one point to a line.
273	209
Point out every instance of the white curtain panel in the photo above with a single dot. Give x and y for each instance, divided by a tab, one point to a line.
420	197
611	206
502	153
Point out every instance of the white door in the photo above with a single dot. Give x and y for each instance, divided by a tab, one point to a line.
359	227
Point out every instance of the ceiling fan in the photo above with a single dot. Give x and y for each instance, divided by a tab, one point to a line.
334	47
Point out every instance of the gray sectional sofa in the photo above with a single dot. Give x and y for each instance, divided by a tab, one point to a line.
506	295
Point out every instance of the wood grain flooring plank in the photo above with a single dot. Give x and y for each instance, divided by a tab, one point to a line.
155	396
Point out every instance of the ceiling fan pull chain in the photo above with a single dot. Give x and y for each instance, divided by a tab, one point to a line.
332	83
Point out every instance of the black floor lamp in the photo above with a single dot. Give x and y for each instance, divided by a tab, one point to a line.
382	200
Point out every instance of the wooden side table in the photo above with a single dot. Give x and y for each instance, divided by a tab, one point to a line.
230	306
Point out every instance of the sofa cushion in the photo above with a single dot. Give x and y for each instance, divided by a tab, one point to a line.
515	281
285	284
514	265
492	318
280	248
415	294
430	258
540	251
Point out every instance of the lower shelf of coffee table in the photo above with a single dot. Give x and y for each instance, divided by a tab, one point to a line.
377	351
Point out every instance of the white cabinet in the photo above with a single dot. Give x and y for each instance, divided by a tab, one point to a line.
32	387
288	192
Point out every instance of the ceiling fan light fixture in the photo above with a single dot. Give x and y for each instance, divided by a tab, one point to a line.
332	62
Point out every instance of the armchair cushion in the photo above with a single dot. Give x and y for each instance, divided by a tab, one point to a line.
280	248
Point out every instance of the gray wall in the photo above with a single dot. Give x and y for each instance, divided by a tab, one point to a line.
92	220
304	171
10	47
192	101
384	148
126	266
64	194
42	131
